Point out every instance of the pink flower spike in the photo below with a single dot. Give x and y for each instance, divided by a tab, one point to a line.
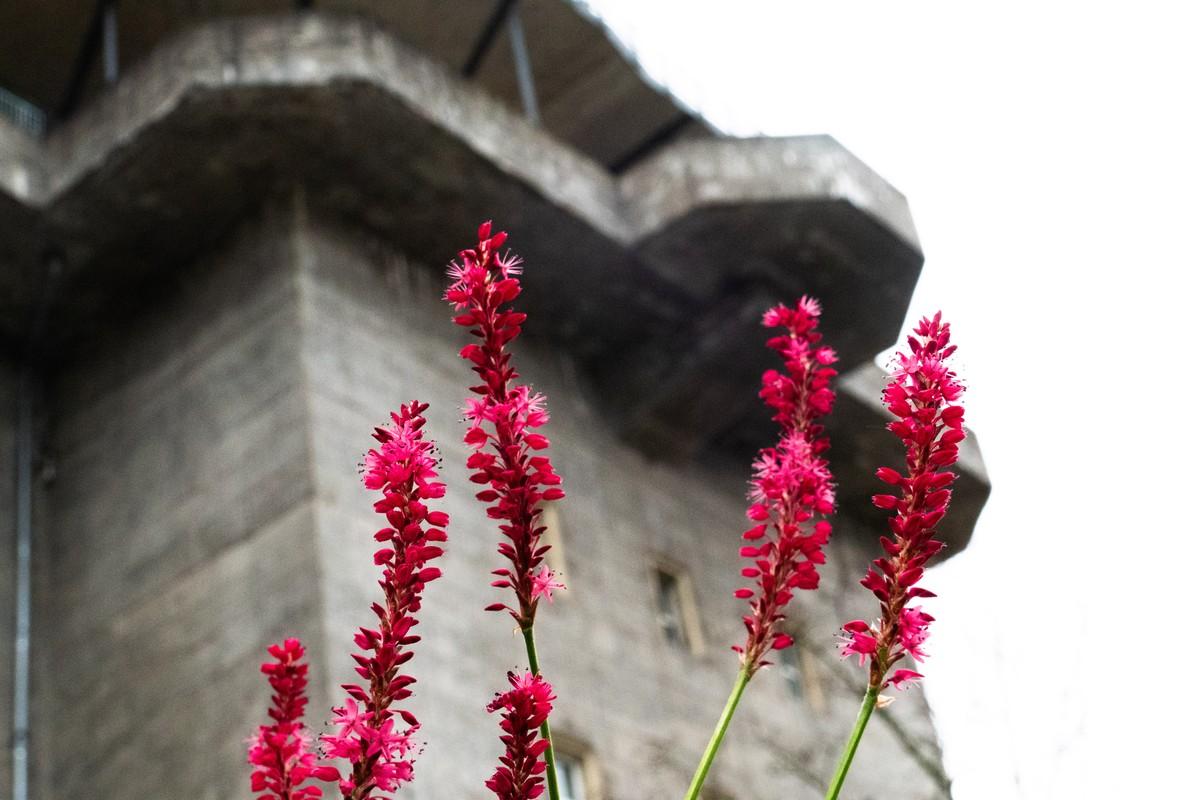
526	706
503	417
921	394
792	487
281	753
372	731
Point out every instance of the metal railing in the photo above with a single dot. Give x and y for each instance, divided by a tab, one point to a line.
22	113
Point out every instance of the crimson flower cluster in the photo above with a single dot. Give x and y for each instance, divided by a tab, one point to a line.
281	753
374	735
526	706
792	485
921	394
503	420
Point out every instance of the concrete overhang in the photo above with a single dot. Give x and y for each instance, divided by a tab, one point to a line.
735	226
591	92
654	280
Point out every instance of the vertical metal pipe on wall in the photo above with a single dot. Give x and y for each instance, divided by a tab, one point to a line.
520	51
112	64
507	14
25	451
24	599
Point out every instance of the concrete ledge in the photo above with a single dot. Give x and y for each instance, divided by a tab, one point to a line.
721	172
318	52
654	281
242	94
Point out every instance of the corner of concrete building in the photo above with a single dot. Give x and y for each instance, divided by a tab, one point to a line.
177	537
374	335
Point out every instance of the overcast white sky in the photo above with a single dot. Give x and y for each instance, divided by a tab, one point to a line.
1049	154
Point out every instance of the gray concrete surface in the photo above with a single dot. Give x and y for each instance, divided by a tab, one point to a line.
179	536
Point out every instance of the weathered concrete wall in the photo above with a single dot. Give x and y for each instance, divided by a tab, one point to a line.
179	535
375	335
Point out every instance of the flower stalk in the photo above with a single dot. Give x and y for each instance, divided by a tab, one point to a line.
503	418
281	753
791	494
535	669
521	774
921	395
718	735
843	768
380	751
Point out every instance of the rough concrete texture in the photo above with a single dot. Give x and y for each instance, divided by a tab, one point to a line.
179	535
233	113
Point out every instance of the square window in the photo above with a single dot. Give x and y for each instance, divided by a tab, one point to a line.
670	608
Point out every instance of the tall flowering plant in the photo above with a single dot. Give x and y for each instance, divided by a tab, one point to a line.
503	420
372	732
281	752
525	707
791	492
922	395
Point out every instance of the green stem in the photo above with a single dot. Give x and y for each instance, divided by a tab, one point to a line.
714	744
551	771
860	725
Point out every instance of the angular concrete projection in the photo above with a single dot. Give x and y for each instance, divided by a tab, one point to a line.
735	225
250	228
231	113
